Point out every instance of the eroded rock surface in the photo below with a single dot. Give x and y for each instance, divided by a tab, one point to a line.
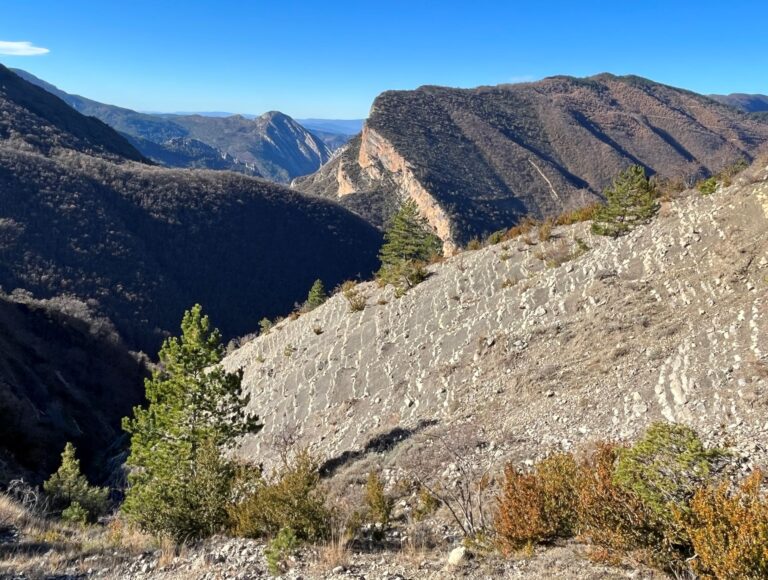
499	350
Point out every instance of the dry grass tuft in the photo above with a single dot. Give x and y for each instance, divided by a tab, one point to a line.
355	298
335	552
582	214
46	547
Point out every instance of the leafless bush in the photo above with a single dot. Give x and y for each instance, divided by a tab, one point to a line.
464	490
29	497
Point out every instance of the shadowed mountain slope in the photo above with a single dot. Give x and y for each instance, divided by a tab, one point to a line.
64	376
146	242
476	160
29	113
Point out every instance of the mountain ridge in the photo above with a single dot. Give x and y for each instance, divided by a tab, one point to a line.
749	103
148	242
479	160
272	146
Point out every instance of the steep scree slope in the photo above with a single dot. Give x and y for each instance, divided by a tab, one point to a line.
475	160
502	355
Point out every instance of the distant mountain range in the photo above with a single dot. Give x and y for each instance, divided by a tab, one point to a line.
335	133
271	145
337	126
478	160
756	104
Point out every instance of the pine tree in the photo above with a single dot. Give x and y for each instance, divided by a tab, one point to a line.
630	201
317	295
70	492
408	245
408	237
180	481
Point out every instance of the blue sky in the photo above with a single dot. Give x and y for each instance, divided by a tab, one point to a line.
330	59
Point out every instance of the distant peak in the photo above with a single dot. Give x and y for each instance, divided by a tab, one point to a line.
275	115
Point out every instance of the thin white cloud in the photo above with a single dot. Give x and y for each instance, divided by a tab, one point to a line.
23	48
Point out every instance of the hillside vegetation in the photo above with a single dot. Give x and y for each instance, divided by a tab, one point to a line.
478	160
65	375
399	426
146	243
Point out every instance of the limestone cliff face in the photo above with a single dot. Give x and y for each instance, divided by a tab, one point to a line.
345	184
378	155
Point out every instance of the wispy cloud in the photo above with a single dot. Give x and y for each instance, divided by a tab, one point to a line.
23	48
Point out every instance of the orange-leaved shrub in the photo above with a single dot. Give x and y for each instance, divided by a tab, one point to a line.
662	501
537	506
729	530
614	517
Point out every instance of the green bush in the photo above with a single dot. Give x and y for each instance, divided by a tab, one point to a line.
427	504
379	504
707	186
402	275
70	492
265	325
409	245
630	201
279	549
317	295
496	237
291	499
180	483
188	497
76	514
665	467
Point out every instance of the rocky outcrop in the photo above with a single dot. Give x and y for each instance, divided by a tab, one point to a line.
377	155
526	347
192	154
480	159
